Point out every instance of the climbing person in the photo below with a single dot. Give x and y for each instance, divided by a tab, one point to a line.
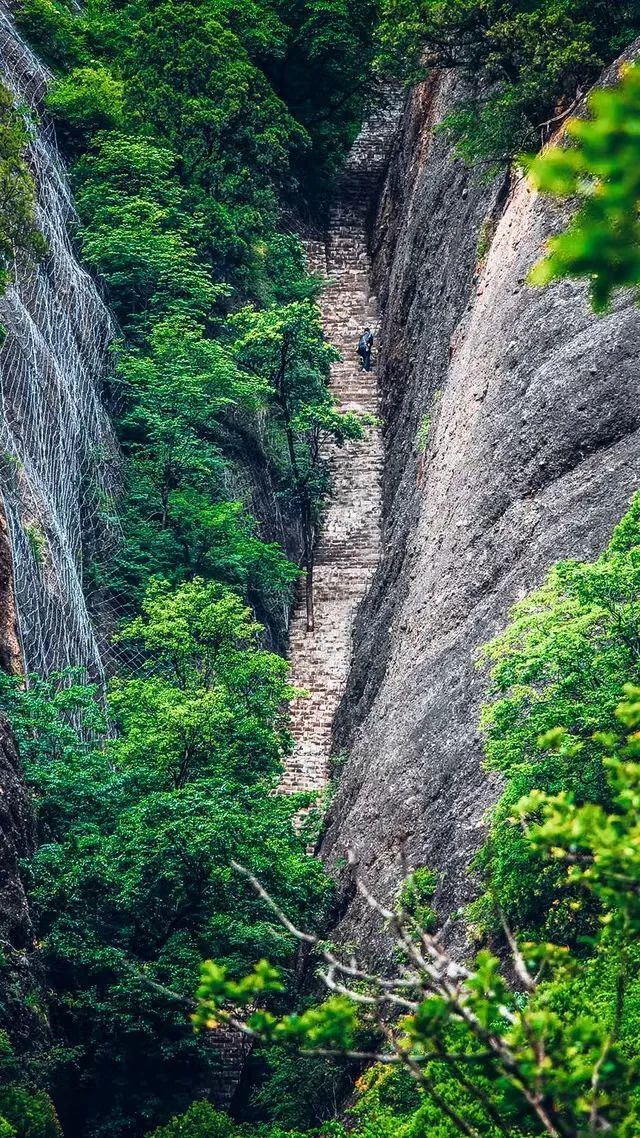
365	344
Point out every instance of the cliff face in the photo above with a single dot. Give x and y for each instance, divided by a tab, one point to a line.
58	457
10	657
533	453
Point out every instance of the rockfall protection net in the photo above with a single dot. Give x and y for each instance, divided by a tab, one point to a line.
59	461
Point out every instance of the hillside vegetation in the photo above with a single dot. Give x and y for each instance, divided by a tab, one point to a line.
199	136
190	131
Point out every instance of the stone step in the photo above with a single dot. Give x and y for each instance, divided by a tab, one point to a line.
349	543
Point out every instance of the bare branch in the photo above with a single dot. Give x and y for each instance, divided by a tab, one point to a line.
439	974
360	998
306	938
522	971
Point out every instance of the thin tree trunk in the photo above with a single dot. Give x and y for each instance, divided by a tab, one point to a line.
301	488
309	584
307	529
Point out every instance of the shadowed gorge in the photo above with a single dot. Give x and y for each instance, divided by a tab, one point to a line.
348	545
319	653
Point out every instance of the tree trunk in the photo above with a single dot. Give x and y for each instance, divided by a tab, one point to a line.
309	592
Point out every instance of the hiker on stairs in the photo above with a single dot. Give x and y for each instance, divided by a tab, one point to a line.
365	344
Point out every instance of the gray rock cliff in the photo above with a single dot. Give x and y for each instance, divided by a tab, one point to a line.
533	454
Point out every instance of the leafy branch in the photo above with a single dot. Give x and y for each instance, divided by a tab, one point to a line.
489	1031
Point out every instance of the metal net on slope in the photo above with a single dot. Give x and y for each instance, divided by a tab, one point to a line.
59	461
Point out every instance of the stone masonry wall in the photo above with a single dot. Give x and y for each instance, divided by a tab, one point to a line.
348	548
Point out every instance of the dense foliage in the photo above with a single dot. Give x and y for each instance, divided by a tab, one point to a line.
131	883
524	63
191	128
551	1052
560	665
192	131
601	169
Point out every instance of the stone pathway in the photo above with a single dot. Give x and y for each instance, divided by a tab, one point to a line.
348	547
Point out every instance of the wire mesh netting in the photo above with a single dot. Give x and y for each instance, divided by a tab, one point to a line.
59	461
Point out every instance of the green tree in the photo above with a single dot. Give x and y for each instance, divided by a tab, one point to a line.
526	63
201	1120
89	99
214	703
183	229
25	1110
55	28
27	1113
561	662
331	48
600	169
285	348
19	232
175	396
532	1056
131	882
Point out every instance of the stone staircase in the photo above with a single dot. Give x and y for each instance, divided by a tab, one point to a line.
348	547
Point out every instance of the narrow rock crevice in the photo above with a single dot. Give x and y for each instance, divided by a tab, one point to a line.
425	268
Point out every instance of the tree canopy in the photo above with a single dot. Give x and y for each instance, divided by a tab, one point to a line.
525	64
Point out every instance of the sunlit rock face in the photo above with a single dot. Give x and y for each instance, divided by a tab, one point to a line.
532	455
59	467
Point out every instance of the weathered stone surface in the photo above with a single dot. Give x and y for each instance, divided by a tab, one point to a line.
533	454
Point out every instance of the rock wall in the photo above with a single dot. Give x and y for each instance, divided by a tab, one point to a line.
533	454
59	463
251	479
10	655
